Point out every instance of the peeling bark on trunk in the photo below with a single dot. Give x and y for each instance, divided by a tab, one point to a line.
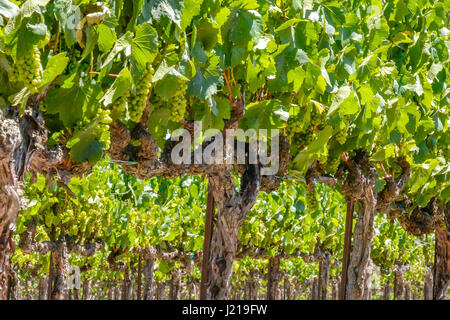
324	268
314	295
139	279
13	283
334	289
60	262
149	286
368	281
359	261
254	284
273	277
428	285
160	288
441	277
22	148
407	291
399	283
387	291
287	289
87	289
175	285
232	209
358	188
126	284
42	288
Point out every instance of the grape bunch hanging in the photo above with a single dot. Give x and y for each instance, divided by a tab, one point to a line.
137	103
119	106
27	69
175	104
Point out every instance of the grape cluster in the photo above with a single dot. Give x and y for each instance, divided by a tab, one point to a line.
296	134
322	158
317	115
102	129
28	70
176	104
302	138
333	164
74	56
137	103
341	136
311	199
119	106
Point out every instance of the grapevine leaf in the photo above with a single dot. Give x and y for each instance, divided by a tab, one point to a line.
8	9
122	84
55	66
144	48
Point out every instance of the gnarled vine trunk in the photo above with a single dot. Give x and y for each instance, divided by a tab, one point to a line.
149	285
358	188
428	285
273	277
232	208
441	277
324	269
359	262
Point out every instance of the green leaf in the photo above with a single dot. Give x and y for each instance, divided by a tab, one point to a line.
88	148
124	42
342	94
204	86
268	114
55	66
31	6
122	84
168	9
106	37
305	157
144	49
68	15
190	10
8	9
71	102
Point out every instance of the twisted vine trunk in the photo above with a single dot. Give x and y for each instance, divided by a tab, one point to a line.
358	188
359	261
13	283
441	276
149	285
42	288
428	285
273	277
387	291
175	285
324	269
87	289
16	149
232	208
61	264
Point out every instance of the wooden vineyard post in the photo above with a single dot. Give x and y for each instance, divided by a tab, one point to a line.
347	248
206	264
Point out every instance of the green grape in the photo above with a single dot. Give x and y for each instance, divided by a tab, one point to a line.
176	104
137	103
322	158
341	136
317	115
119	107
303	138
311	199
28	70
333	164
